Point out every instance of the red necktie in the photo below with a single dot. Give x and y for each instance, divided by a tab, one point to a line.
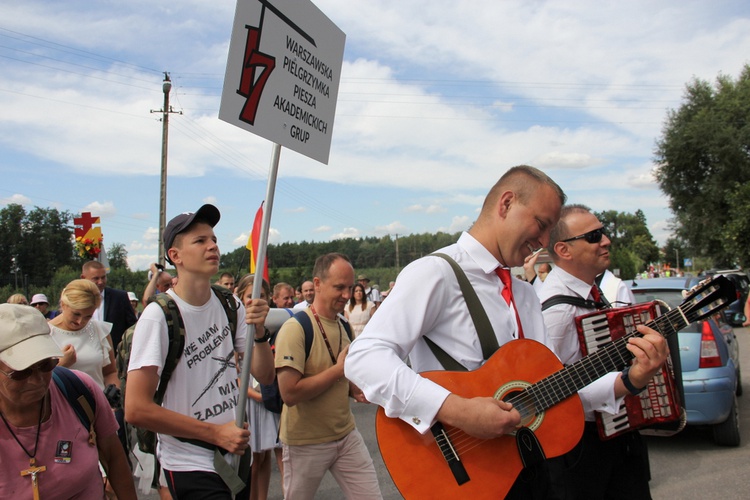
504	275
595	293
507	292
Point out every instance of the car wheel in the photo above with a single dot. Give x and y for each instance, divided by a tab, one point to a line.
727	433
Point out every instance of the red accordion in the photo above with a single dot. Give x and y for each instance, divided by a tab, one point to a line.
659	407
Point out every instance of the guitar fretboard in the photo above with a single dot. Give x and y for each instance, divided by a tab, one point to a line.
611	357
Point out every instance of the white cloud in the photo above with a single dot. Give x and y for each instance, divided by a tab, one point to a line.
18	199
394	227
433	108
348	232
240	240
322	229
98	209
458	223
430	209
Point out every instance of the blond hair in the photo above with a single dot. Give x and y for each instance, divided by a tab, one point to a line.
18	298
81	294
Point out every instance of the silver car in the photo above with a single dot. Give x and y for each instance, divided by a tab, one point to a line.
709	361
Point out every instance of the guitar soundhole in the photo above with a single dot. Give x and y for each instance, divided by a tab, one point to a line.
515	392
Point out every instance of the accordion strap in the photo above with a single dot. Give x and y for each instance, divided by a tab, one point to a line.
576	301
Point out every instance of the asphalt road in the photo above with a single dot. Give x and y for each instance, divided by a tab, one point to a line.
686	466
689	466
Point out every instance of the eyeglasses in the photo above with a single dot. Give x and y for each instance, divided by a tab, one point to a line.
593	236
44	366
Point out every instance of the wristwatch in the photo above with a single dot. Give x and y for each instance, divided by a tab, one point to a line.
264	338
628	384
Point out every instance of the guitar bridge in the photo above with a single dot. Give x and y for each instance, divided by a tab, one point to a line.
449	453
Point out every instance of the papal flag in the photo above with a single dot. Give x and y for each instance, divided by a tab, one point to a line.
252	244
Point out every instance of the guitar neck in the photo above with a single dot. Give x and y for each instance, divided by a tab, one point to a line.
613	356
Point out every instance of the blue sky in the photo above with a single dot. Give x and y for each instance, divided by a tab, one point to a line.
437	99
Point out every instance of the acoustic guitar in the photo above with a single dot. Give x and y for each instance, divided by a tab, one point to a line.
448	463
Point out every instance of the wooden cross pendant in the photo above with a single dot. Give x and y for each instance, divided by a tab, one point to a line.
33	472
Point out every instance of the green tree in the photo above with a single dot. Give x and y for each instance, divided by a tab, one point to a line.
35	243
11	236
737	231
633	246
117	256
703	166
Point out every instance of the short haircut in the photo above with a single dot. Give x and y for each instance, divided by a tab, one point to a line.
226	275
324	262
522	180
81	294
91	264
281	286
560	231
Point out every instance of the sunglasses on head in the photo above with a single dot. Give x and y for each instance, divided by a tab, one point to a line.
44	366
593	236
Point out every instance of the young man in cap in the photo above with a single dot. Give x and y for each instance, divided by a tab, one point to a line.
40	302
200	400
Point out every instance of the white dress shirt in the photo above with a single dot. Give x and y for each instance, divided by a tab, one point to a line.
600	394
428	302
99	313
616	291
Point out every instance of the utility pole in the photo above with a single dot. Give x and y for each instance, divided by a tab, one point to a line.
397	266
165	111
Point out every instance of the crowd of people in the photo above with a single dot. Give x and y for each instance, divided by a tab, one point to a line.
339	339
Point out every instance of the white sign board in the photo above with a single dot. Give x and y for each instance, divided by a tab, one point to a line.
283	73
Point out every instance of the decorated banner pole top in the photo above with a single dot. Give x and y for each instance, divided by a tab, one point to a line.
88	238
283	73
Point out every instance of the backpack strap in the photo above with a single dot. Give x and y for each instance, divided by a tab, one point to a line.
176	337
575	301
230	305
482	324
80	399
304	319
347	327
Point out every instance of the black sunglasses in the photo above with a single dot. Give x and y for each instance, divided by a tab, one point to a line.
593	236
44	366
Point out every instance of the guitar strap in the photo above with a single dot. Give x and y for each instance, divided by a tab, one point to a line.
482	324
529	447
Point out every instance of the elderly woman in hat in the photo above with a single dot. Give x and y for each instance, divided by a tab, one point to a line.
46	451
40	302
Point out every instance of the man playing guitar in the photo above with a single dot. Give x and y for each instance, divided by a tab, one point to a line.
517	216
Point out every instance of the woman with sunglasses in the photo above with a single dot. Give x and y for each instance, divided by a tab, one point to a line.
45	449
86	343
